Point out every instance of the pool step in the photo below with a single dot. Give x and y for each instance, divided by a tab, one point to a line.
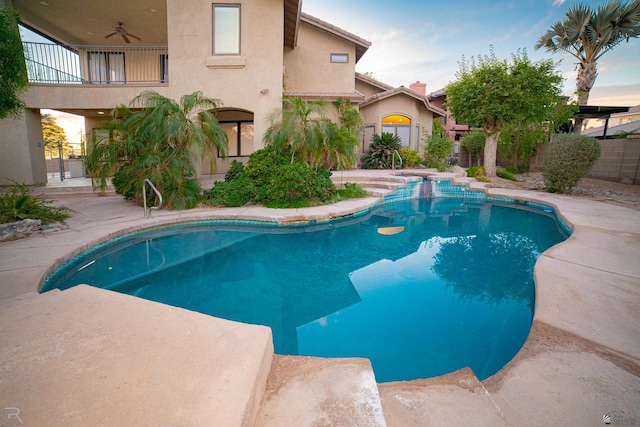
310	391
456	399
86	357
376	185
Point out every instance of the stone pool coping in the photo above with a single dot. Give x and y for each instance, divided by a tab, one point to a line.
581	360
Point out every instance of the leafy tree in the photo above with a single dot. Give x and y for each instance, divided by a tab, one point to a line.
519	141
474	143
159	142
587	34
53	134
13	71
381	151
491	94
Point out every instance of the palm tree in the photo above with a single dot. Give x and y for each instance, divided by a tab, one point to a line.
159	142
588	34
339	150
299	124
314	139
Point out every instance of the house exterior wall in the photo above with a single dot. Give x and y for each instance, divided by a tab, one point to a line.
237	80
366	89
308	67
22	150
251	81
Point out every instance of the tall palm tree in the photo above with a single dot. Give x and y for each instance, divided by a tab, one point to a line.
159	141
587	34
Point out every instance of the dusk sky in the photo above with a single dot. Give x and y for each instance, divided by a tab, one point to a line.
425	40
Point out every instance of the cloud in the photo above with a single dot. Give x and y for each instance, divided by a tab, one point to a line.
624	95
559	2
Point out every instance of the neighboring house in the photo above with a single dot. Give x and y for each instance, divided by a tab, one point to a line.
247	53
626	128
455	131
616	119
618	123
400	111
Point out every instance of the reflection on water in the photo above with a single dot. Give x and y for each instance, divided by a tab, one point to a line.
444	286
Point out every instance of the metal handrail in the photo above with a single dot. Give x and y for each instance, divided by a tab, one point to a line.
393	160
147	211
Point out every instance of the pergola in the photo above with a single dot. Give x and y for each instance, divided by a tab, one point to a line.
599	112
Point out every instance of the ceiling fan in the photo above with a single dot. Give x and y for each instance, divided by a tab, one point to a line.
123	33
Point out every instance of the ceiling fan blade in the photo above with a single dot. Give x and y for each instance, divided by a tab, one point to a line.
109	35
124	36
134	36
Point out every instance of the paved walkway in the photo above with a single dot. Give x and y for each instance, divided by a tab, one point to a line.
63	364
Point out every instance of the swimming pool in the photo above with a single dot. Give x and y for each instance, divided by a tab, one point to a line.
421	287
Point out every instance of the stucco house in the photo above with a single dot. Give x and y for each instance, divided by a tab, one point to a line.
247	53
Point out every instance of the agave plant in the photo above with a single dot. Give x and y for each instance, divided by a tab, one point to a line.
381	151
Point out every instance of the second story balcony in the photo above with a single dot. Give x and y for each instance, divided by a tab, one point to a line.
55	64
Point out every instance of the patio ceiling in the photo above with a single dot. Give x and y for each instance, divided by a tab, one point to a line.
86	22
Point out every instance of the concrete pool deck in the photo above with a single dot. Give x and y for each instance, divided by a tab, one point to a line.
87	356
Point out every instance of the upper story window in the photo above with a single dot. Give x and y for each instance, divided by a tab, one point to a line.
340	58
226	29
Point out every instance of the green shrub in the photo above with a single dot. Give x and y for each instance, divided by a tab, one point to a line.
352	190
263	162
512	169
235	170
17	203
296	184
502	173
381	151
474	143
568	158
271	178
437	150
476	172
237	192
410	157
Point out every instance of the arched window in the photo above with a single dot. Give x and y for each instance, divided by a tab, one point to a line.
398	125
238	125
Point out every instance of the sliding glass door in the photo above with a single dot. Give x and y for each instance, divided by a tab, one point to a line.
106	67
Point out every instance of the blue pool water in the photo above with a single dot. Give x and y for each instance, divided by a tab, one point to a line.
420	287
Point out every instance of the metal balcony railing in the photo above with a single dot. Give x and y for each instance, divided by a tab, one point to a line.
49	63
